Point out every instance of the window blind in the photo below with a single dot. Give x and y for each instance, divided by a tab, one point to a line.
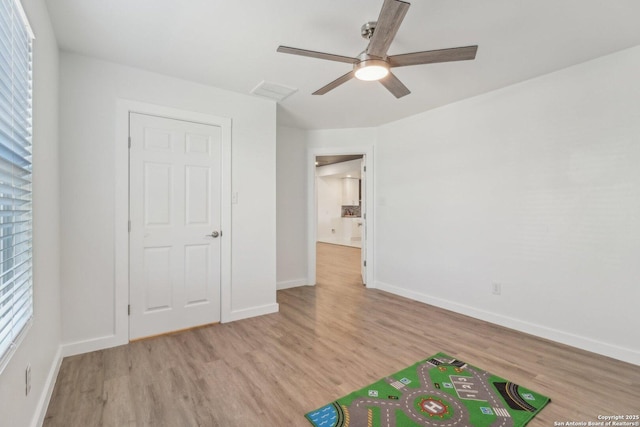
16	287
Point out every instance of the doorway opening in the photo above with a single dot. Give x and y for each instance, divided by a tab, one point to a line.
340	198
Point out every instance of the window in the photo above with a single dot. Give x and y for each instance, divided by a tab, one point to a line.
16	288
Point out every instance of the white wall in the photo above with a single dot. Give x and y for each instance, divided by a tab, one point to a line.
291	207
536	187
41	346
341	140
329	197
89	91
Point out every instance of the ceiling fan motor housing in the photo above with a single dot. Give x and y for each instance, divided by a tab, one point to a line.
366	31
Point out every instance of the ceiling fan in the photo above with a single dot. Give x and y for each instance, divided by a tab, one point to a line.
374	63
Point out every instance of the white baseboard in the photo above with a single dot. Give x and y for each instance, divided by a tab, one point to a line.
291	284
47	392
563	337
100	343
94	344
253	312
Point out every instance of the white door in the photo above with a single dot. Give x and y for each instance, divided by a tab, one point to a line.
174	209
363	217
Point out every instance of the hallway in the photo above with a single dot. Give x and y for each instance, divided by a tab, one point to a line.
337	265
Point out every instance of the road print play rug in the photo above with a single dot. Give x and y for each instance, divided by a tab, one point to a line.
438	391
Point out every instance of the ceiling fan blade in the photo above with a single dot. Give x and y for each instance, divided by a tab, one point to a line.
395	86
334	84
391	16
433	56
314	54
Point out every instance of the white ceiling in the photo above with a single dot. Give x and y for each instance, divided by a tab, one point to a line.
232	45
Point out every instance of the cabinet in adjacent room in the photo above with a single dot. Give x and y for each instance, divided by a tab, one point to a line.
350	191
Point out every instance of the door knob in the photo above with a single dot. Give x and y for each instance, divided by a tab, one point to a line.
214	234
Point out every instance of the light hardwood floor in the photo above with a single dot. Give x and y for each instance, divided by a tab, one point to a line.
325	342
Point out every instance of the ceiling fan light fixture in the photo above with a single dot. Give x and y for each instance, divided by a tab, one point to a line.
371	70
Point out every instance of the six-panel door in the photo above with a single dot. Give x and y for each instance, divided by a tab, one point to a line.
175	207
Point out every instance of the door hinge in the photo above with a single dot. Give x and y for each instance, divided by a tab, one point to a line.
364	216
365	168
129	310
129	142
129	226
365	262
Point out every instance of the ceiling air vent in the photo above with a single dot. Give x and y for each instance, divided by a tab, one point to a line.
273	91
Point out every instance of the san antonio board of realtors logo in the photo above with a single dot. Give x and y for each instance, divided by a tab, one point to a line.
433	407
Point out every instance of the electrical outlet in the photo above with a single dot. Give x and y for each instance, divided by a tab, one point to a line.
27	379
496	288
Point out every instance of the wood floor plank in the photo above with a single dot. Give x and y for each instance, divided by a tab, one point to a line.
118	409
325	342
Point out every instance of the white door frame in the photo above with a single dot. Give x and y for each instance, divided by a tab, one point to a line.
312	208
121	207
